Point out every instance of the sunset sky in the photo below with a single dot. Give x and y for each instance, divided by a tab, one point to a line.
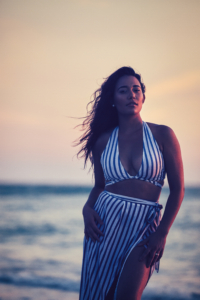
54	55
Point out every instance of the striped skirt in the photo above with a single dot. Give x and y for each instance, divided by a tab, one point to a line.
127	221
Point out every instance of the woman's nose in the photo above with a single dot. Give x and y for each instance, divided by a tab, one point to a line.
132	94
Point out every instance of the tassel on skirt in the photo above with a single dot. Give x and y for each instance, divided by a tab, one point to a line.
127	221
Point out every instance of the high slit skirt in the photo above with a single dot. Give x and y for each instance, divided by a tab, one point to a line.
126	222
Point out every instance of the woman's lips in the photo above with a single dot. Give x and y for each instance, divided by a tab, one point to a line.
132	104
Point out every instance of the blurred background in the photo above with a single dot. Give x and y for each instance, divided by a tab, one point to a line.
54	54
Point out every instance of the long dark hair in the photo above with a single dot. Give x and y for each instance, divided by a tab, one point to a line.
102	116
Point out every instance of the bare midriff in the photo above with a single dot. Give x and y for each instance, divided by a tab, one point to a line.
135	188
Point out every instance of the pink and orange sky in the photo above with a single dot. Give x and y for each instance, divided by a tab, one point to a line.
54	54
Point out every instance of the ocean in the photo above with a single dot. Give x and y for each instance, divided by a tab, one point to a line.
41	235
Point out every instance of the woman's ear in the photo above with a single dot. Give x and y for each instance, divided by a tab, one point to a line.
143	98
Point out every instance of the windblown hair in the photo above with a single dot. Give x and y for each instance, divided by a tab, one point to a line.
102	116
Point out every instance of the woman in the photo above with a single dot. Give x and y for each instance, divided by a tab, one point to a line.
124	238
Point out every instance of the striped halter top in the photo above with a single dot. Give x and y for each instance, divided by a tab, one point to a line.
152	168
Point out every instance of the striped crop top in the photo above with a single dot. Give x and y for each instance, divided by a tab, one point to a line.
152	168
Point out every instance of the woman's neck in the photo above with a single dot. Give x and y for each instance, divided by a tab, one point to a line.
130	124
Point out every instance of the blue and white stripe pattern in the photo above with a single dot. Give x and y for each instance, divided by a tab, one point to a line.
152	168
127	221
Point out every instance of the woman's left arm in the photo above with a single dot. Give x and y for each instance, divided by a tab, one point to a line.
174	168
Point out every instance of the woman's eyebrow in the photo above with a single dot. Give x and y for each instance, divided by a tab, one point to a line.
125	86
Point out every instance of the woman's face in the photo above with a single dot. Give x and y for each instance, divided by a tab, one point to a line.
128	95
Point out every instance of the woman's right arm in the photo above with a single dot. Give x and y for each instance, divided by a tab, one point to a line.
91	218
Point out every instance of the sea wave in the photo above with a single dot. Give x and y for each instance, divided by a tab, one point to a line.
25	189
49	282
31	230
34	274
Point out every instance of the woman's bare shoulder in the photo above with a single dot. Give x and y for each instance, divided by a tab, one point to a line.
160	129
102	141
162	133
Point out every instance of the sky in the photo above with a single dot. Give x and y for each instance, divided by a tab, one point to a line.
55	53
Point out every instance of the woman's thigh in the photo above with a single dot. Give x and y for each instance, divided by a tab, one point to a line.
134	277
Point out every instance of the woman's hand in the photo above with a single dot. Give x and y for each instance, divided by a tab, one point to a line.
155	248
90	218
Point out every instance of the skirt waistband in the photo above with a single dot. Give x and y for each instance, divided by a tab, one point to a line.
155	206
135	200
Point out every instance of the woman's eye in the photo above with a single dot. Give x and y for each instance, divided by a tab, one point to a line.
122	91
